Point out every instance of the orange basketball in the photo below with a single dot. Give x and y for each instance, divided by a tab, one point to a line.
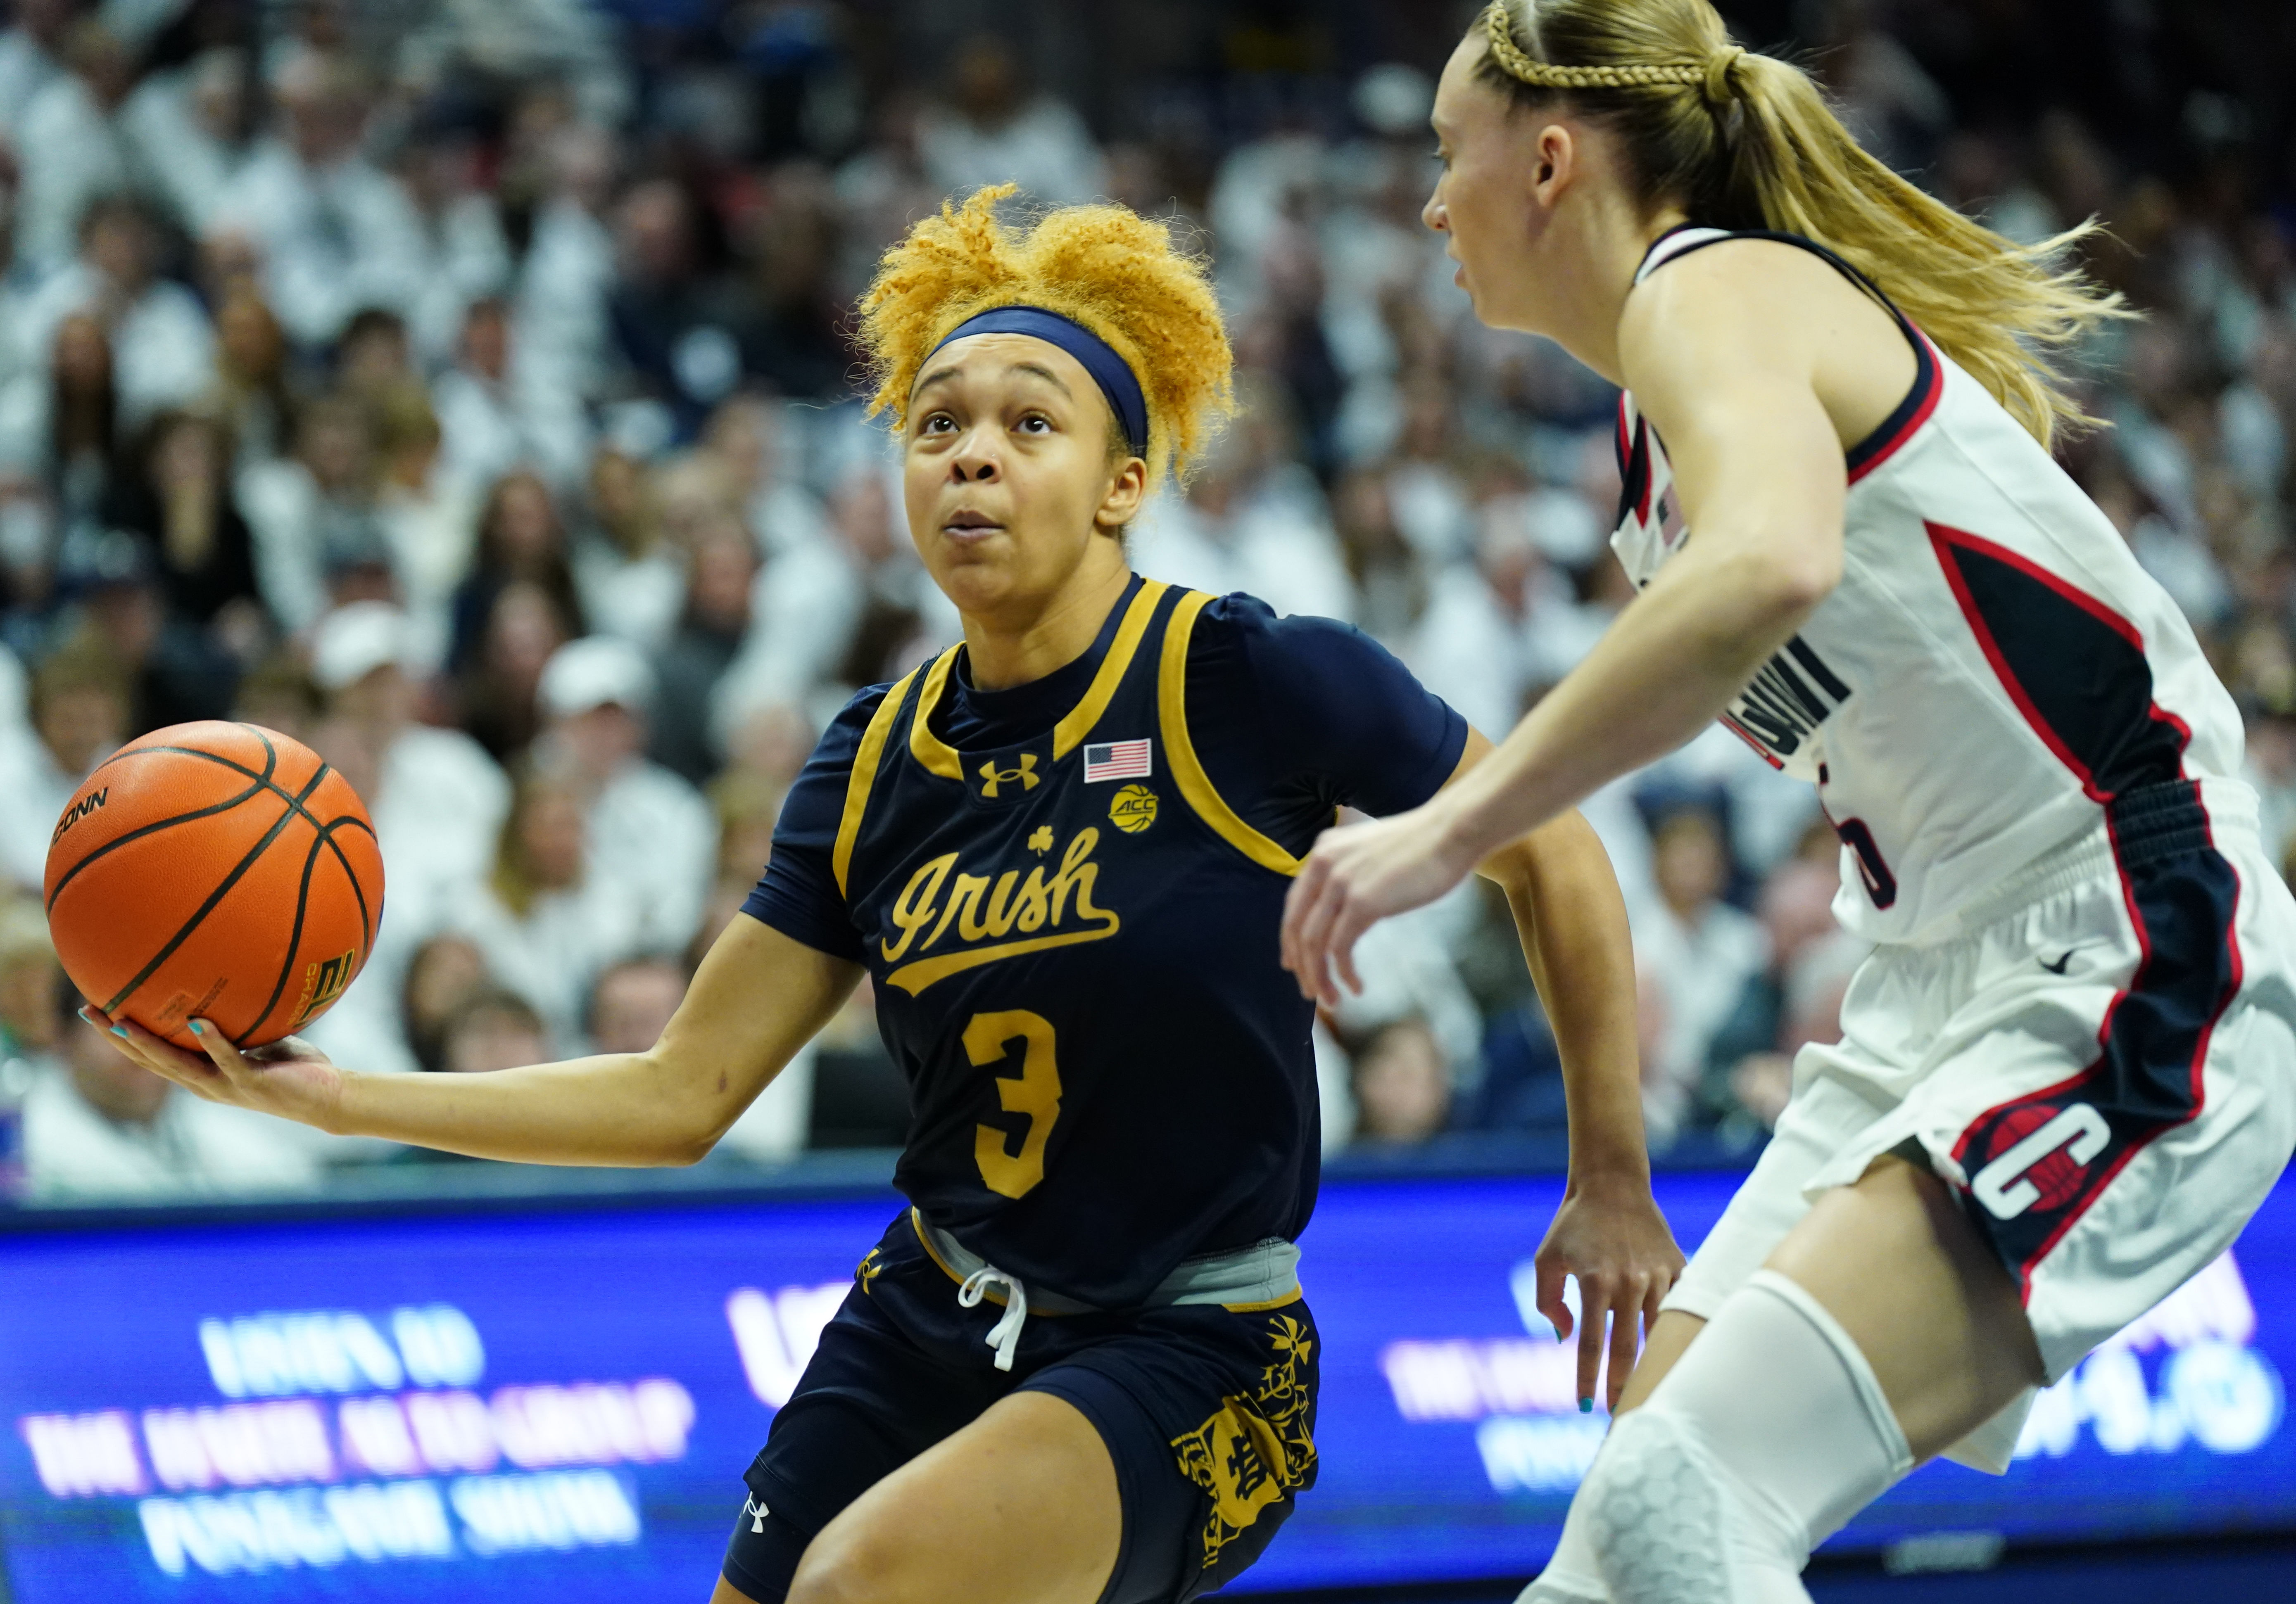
214	871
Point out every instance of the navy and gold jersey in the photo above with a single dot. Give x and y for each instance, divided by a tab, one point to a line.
1071	913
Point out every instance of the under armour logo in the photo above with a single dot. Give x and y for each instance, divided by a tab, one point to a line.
757	1512
991	776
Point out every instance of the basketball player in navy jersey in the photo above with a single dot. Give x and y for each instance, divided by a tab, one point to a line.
2064	1078
1079	1366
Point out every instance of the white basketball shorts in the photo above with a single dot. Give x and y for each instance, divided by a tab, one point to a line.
2101	1061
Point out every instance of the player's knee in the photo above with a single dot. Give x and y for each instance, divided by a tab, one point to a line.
1655	1509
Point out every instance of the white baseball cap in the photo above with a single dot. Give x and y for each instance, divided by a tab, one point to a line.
594	672
356	639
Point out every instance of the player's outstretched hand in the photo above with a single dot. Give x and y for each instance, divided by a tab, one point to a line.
1617	1245
1358	875
289	1078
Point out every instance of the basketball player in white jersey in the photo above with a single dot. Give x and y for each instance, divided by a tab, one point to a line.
2067	1072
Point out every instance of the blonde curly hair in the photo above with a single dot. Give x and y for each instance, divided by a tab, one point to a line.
1104	266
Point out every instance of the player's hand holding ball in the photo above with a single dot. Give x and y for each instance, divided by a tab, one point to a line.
212	887
289	1077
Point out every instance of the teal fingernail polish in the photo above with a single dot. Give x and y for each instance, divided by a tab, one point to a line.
198	1028
119	1030
1586	1406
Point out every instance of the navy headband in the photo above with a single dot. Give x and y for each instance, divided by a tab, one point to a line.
1109	371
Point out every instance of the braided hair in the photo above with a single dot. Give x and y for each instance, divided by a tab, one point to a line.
1744	141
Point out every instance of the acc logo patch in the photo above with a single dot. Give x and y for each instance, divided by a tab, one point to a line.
1132	809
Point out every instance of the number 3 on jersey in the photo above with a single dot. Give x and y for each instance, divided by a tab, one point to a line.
1036	1094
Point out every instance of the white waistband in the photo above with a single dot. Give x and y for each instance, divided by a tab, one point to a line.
1265	1272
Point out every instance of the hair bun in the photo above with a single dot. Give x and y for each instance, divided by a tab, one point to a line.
1720	66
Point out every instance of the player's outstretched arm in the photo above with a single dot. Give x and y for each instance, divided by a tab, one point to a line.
1608	1234
757	998
1722	351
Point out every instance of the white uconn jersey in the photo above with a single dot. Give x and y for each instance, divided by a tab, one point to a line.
1993	670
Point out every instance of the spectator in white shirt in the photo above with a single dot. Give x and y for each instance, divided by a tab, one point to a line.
493	422
467	255
1500	628
1254	519
547	918
427	511
720	595
335	233
1698	953
69	150
568	274
840	612
79	710
992	131
29	56
100	1127
61	425
437	799
187	128
250	392
313	513
162	347
646	826
631	579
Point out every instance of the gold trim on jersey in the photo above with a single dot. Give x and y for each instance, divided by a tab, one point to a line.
936	755
939	757
1129	633
864	775
1196	788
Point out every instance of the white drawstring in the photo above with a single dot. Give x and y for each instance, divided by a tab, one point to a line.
1004	1336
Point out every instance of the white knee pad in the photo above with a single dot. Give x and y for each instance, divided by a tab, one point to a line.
1768	1434
1572	1576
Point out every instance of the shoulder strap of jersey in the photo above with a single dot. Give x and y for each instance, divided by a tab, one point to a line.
864	777
1196	788
1080	720
1680	241
1870	452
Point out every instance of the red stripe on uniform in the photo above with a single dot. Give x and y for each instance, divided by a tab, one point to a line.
1934	371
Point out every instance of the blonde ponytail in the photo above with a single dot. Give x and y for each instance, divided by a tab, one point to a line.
1743	140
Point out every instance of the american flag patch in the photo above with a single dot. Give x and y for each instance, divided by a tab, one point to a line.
1117	760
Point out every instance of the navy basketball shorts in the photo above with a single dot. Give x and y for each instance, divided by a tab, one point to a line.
1207	1411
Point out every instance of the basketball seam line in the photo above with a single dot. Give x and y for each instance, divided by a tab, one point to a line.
262	781
295	803
292	801
295	933
220	892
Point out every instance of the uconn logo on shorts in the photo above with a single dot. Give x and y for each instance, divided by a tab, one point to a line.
2044	1160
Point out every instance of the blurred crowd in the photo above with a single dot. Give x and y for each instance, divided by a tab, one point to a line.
467	391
